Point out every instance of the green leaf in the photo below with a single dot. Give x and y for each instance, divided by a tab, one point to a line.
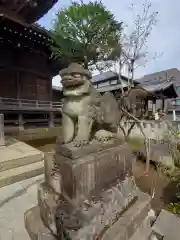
80	28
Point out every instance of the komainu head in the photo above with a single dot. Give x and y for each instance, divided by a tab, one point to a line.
75	79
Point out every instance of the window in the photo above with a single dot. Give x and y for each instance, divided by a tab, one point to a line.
178	89
175	102
150	104
112	82
103	84
178	102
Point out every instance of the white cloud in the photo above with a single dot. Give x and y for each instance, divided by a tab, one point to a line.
56	81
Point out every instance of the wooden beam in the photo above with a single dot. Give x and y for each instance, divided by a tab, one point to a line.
39	74
21	5
18	84
11	15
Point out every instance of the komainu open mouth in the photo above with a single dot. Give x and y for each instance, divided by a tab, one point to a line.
70	82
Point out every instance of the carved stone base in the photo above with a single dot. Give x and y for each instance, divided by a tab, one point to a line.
124	228
89	191
35	226
86	171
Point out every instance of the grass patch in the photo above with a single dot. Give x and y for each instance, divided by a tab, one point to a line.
135	143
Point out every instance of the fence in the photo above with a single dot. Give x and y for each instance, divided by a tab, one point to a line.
152	128
12	103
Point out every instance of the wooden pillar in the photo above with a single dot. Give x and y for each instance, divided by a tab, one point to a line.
163	104
146	105
2	142
50	89
36	89
51	119
174	115
154	106
21	122
18	84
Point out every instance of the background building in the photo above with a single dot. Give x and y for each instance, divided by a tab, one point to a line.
169	76
26	64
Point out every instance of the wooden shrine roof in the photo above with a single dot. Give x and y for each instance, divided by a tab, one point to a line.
24	35
28	11
28	37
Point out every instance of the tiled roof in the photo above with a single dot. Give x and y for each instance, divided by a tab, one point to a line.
161	81
104	76
112	87
26	10
157	88
172	75
150	86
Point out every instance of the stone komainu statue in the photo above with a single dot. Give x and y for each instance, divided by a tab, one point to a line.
86	113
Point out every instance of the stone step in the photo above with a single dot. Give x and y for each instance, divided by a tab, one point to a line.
21	173
19	161
17	154
166	226
143	233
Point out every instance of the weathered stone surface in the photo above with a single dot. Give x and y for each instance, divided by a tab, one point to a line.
16	154
72	152
89	191
18	162
48	202
167	225
86	114
92	173
48	165
160	153
97	191
130	221
124	228
90	216
21	173
106	210
35	227
55	181
100	181
143	232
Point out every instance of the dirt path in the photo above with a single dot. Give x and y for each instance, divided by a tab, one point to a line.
163	190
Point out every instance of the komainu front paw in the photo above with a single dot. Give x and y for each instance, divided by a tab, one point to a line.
104	136
80	143
61	141
102	139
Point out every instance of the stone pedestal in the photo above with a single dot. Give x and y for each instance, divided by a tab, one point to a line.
91	194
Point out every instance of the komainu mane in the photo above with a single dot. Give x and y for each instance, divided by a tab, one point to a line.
86	113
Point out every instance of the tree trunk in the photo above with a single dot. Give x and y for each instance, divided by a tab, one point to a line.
132	73
119	78
129	87
85	62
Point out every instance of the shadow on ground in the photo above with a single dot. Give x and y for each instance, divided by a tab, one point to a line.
18	193
162	190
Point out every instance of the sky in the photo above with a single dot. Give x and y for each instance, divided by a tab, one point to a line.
164	38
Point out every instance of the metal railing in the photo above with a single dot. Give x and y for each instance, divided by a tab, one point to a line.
25	103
